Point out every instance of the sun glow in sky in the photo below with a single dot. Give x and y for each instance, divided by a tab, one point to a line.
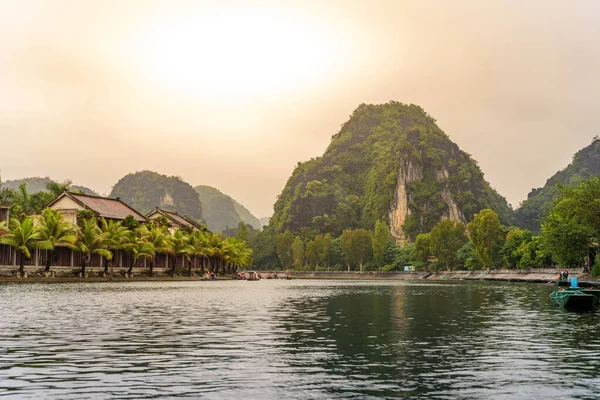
233	56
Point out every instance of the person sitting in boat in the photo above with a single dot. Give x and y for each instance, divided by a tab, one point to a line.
259	276
288	275
269	276
206	275
213	276
275	276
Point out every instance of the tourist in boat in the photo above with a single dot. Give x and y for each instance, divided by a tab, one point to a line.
275	276
269	276
259	275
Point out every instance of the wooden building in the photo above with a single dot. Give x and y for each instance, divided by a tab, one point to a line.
174	220
111	209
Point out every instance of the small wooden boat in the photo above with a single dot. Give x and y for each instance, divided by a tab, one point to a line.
574	299
253	276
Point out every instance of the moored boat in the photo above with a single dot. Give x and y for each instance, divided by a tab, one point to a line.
574	300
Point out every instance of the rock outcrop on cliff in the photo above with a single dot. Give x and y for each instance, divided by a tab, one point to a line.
389	162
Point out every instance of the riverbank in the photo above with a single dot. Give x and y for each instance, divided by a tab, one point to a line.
535	276
66	275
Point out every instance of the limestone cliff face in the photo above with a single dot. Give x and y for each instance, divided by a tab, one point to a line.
407	173
399	210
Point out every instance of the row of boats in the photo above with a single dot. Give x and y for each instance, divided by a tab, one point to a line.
251	276
256	276
575	296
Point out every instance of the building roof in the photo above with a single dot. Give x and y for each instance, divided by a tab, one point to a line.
104	206
176	218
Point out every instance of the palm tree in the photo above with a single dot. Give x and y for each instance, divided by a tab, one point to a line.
115	233
240	255
181	247
136	245
217	251
160	239
236	254
91	240
54	231
57	188
199	241
22	236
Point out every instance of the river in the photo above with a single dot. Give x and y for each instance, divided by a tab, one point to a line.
298	339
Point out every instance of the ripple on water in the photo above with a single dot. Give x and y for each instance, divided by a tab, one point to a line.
294	339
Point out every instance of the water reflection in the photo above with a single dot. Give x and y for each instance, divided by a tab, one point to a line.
294	339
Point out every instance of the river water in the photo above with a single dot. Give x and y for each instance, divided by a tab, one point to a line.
299	339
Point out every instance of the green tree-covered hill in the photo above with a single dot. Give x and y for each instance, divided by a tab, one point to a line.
389	162
38	184
585	164
146	190
221	211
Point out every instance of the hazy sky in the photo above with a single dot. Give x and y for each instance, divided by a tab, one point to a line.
233	94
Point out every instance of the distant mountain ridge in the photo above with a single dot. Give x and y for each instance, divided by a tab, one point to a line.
221	211
585	164
38	184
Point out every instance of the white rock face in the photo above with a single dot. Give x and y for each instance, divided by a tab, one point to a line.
407	173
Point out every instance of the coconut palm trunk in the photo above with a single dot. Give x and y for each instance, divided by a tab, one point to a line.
131	264
85	260
49	258
21	264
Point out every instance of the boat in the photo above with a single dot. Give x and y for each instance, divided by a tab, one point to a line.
253	276
576	298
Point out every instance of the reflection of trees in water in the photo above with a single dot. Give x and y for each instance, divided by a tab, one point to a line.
406	340
391	339
346	337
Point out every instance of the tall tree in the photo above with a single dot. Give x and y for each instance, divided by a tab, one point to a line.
511	250
485	231
283	245
243	232
54	231
422	249
381	237
298	252
325	249
356	247
22	236
447	237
